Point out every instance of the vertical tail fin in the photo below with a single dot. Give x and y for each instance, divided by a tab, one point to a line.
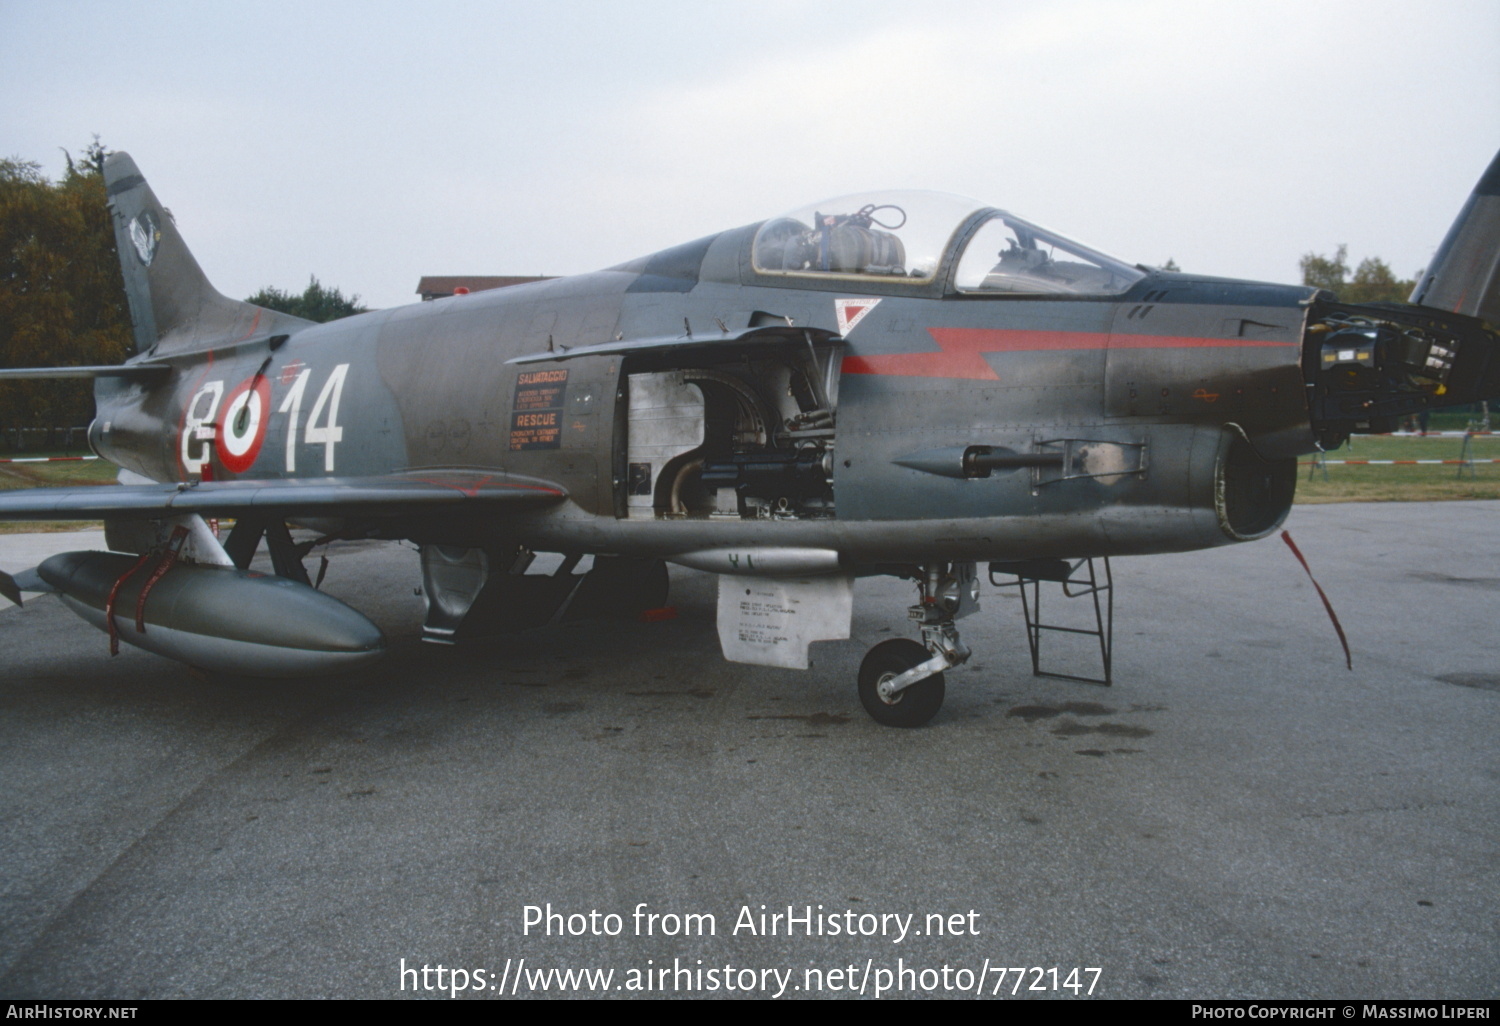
1465	273
172	305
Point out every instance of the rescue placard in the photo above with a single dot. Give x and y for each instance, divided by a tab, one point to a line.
536	415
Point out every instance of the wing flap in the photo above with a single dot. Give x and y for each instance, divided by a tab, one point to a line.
389	495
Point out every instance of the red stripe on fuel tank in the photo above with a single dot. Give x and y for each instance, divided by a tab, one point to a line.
961	350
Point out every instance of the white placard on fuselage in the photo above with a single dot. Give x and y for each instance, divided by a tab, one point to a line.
770	621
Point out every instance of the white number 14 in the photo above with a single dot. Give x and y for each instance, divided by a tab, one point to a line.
326	407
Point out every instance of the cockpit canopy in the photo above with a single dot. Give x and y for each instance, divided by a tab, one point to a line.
905	236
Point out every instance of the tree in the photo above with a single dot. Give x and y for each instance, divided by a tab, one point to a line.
1373	281
1323	273
316	303
62	297
1170	265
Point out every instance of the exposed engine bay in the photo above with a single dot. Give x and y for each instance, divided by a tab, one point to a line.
1366	366
732	433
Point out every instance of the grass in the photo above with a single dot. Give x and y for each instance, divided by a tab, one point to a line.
69	473
1427	483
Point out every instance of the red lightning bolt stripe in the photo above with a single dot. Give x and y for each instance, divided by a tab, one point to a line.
961	350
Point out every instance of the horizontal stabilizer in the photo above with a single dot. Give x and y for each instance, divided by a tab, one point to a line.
389	496
136	371
1465	273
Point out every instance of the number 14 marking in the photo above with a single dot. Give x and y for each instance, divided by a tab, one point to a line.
329	433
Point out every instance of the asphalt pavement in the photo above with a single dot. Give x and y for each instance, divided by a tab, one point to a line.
1238	816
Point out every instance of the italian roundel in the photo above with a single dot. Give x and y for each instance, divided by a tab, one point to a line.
243	428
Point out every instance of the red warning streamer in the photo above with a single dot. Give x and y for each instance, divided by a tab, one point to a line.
109	604
168	558
1348	658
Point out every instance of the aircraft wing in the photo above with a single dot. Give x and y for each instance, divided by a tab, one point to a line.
388	495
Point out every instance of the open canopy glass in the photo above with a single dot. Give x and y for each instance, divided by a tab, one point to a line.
907	235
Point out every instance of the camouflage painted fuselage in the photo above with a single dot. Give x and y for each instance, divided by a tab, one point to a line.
1161	387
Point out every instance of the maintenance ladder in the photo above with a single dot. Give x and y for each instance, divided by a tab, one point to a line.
1084	578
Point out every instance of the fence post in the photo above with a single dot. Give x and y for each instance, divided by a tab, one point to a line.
1466	456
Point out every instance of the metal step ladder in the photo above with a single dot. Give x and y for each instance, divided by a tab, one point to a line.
1084	578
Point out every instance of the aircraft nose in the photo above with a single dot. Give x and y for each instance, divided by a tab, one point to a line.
1367	366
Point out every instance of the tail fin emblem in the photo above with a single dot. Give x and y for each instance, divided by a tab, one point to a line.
145	233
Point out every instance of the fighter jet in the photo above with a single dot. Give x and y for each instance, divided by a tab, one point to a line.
908	384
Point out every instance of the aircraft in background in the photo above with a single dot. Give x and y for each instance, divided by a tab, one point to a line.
907	384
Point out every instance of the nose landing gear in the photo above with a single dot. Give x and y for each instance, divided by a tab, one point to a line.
912	703
900	680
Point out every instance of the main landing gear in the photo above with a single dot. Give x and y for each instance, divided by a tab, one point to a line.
901	680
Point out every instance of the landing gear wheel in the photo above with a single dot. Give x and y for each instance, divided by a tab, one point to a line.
910	707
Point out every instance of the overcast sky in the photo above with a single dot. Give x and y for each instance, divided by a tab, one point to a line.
372	143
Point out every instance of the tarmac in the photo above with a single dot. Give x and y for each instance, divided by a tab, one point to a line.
1239	816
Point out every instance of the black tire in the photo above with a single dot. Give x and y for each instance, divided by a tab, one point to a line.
911	707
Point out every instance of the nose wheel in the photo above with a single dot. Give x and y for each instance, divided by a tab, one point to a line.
900	680
913	705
